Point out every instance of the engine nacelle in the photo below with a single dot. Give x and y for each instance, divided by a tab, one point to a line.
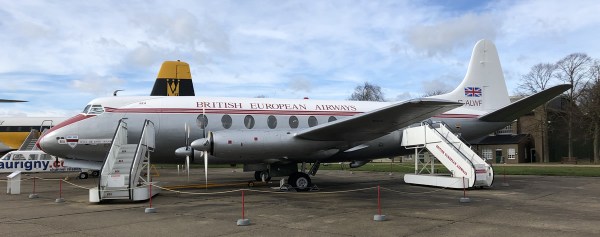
262	145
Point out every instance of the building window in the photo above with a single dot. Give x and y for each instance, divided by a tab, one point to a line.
249	121
508	130
487	154
294	122
272	122
202	121
512	154
226	121
312	121
331	119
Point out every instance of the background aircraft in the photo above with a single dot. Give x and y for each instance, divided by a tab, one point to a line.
271	136
173	79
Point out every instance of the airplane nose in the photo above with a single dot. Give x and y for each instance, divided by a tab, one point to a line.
53	141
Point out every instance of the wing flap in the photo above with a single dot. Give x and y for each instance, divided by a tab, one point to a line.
377	123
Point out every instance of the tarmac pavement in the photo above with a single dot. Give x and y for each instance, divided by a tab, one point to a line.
344	205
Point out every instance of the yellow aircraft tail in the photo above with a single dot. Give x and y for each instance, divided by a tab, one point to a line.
174	79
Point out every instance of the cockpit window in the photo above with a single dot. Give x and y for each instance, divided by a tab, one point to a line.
93	109
85	110
96	109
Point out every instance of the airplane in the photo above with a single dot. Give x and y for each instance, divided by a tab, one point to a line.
33	161
14	130
272	136
173	79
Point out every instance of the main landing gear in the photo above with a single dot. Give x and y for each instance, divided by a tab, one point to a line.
298	179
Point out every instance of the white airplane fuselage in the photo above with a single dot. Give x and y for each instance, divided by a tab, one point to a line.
245	130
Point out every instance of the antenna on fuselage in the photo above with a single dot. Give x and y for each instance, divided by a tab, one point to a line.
115	93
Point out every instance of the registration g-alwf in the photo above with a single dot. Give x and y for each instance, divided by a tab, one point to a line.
272	136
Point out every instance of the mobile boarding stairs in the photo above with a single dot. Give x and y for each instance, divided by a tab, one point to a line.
121	176
467	168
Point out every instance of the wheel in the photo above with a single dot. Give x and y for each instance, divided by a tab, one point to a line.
83	175
300	181
95	173
258	176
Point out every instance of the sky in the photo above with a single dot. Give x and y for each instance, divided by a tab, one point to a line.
59	55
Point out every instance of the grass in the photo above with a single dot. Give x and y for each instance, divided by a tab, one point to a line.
549	170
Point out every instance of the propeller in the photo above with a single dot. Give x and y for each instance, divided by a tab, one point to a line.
189	150
204	145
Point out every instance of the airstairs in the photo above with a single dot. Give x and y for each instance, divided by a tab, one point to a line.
30	140
467	168
121	175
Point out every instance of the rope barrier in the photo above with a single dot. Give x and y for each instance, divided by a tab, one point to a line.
238	190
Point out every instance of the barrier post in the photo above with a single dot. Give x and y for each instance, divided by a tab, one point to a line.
464	198
243	221
150	209
60	199
33	194
504	183
379	217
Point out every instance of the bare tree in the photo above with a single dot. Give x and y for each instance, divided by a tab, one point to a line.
435	92
367	92
573	69
589	102
536	80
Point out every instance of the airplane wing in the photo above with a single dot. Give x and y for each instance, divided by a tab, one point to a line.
517	109
377	123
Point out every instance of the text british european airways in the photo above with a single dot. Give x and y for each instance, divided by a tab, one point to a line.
273	106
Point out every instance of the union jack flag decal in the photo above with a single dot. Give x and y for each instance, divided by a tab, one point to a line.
472	91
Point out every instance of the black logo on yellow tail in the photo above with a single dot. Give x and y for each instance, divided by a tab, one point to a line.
173	87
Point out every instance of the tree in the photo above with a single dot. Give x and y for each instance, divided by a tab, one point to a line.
367	92
533	82
589	102
435	92
573	69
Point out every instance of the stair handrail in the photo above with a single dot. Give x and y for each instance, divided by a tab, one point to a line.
429	124
119	138
146	144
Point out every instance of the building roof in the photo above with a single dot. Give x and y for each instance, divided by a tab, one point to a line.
502	139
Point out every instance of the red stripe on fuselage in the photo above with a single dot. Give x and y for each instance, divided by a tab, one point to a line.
69	121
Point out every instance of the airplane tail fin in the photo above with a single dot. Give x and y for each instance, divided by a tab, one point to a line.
483	87
174	79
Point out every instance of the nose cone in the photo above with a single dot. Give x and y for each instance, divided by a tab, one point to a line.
56	140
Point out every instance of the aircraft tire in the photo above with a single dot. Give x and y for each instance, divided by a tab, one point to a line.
258	176
83	175
95	173
300	181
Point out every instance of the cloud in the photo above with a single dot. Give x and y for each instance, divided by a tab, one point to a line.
300	84
97	85
443	36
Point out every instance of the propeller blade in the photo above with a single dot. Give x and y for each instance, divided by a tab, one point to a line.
187	167
205	168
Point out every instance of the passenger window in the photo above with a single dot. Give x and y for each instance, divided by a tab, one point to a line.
312	121
294	122
18	157
331	119
45	157
272	122
202	121
32	157
249	121
226	121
